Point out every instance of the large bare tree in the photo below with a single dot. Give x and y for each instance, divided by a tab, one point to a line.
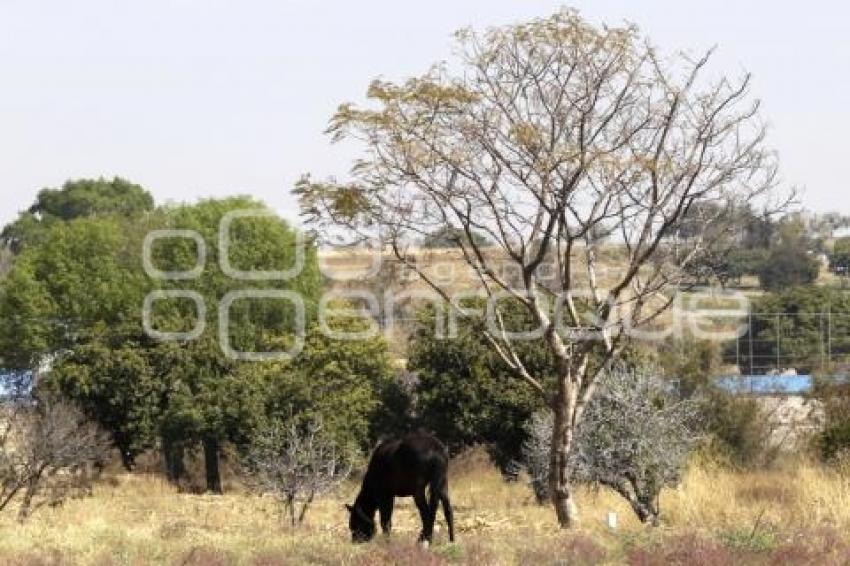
556	140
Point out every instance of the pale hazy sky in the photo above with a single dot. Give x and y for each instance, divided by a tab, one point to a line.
192	98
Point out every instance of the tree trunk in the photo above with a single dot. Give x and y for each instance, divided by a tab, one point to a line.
29	495
8	496
173	453
128	459
211	464
559	481
643	506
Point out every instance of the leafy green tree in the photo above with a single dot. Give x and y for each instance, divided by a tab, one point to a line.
213	399
83	273
732	253
790	262
349	385
76	199
839	259
24	308
451	237
747	261
117	377
757	231
74	298
785	268
464	392
261	243
795	329
689	363
724	266
5	261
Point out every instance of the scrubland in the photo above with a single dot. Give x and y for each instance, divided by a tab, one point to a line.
797	513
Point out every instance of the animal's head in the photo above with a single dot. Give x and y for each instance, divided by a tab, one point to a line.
361	525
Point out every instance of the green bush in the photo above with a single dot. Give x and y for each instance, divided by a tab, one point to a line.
466	395
739	431
793	326
834	440
736	428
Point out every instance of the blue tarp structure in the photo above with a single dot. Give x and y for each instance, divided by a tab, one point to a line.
766	384
14	382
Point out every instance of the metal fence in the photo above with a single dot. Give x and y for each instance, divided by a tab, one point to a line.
804	341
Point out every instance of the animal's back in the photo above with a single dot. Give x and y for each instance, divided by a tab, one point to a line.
405	464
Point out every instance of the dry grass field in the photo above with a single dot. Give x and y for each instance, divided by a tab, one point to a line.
795	514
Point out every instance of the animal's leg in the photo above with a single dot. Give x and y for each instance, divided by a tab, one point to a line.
425	515
433	504
447	510
386	510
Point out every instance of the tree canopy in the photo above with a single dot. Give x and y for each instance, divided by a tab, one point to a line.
76	199
75	299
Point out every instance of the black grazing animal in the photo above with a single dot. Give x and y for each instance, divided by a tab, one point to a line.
403	468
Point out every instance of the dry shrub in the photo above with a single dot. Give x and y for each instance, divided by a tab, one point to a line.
52	558
710	497
296	464
173	530
408	554
779	494
49	453
272	559
205	556
820	547
578	550
277	559
477	553
308	548
841	463
471	461
683	550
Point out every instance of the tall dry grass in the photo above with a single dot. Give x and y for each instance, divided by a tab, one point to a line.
797	512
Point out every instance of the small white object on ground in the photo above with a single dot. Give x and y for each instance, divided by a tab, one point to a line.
612	520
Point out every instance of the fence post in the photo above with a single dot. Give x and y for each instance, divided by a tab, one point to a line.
752	369
829	333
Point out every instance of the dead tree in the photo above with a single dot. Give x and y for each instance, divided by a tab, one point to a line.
295	464
550	134
47	453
